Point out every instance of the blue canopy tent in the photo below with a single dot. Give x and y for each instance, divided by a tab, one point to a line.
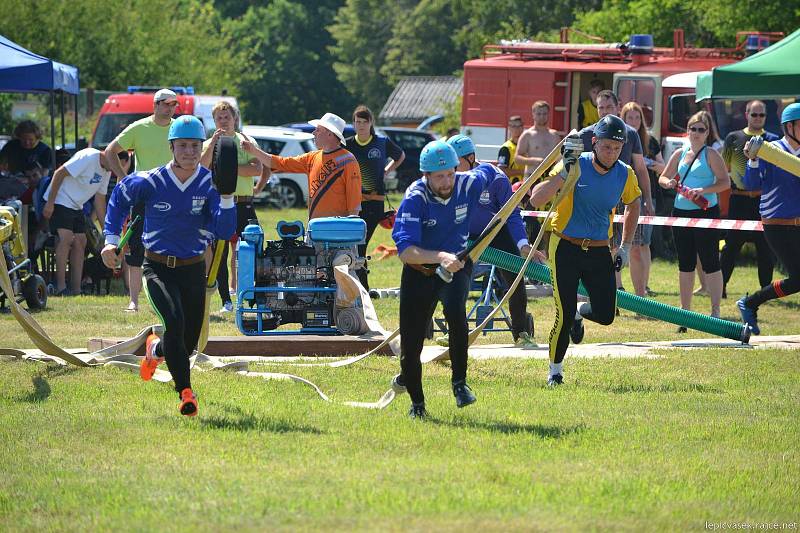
23	71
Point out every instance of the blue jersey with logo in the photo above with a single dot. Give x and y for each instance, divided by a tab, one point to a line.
490	201
780	189
180	219
431	223
586	212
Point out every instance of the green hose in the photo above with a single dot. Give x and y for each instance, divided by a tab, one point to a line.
631	302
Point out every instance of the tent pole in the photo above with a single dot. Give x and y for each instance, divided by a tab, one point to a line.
76	122
53	130
63	126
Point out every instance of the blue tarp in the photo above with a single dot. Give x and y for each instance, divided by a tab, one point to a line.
23	71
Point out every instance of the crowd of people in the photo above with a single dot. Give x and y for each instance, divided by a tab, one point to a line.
616	163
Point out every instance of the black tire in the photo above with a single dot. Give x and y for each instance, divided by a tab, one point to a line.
289	195
529	324
35	292
225	165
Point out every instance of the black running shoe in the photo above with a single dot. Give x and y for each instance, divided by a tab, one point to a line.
463	394
418	411
555	381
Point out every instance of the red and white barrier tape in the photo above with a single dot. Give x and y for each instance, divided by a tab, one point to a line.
711	223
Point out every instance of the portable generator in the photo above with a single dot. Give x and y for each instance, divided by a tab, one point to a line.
26	284
292	280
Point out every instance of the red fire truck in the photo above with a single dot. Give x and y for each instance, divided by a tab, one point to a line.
511	75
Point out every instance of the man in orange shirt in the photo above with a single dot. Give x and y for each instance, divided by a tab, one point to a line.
334	177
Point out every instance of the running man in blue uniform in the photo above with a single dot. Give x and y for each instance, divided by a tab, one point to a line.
780	215
183	212
579	246
511	238
431	229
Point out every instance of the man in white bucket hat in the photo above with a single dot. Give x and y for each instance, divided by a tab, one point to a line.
334	177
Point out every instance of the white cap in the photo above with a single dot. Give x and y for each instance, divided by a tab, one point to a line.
164	94
333	123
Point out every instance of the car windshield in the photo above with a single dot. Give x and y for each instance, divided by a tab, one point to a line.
111	125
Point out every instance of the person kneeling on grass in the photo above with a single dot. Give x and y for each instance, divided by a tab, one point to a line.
579	246
182	210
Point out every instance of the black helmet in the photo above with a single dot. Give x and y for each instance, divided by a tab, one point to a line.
611	127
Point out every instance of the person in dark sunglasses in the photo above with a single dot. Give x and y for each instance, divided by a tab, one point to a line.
744	202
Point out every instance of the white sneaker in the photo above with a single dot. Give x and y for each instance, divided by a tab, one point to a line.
227	307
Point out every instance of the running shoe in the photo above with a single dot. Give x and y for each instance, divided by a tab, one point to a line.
463	394
749	315
151	360
525	341
418	411
227	307
397	384
555	380
188	405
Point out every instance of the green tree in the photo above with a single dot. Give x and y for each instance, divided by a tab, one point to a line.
289	76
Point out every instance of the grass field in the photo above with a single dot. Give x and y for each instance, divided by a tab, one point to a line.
691	440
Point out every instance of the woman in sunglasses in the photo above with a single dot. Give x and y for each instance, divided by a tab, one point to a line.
697	173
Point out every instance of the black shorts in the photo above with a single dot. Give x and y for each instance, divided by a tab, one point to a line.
69	219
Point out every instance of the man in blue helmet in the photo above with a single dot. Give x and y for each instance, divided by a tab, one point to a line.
184	207
780	214
511	238
579	245
431	229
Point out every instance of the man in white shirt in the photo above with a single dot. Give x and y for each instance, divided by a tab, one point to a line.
84	176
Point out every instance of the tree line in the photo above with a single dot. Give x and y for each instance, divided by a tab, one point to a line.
289	60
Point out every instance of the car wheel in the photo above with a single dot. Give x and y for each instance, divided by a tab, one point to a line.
35	292
289	195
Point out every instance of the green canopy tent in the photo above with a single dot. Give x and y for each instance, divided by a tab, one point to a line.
771	73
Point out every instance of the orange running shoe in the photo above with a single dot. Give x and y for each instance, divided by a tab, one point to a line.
188	405
151	360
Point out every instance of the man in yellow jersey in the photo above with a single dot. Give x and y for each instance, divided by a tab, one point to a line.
508	151
147	137
579	245
587	111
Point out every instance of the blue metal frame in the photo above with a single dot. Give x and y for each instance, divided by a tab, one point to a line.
260	310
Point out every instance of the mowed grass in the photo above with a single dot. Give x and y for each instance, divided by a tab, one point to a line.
695	436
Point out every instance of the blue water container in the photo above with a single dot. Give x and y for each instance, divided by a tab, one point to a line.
337	230
250	247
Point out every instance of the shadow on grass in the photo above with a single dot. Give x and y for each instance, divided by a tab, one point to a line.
41	387
235	419
668	388
510	428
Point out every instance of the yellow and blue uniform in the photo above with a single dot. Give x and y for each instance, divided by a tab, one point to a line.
579	246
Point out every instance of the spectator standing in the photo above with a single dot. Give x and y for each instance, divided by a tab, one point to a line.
641	260
84	176
587	112
702	171
537	141
506	157
147	137
744	202
226	118
372	151
334	178
780	215
26	151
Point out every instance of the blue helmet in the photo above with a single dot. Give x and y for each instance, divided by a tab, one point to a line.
611	127
186	127
436	156
791	113
462	144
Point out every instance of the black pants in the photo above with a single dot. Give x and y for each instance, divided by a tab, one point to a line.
418	296
783	240
519	299
571	264
245	212
178	298
744	208
693	242
372	213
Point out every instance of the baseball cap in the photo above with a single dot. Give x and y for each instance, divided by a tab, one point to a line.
164	94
